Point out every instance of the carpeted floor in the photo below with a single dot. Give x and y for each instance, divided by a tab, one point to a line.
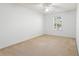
45	45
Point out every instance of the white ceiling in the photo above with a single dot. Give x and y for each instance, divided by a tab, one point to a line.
52	7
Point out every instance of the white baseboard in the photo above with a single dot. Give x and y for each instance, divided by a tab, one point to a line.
61	36
19	41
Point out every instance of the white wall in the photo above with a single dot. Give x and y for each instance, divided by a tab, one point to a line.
69	24
18	23
77	26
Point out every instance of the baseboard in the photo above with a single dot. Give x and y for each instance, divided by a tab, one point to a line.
61	36
18	42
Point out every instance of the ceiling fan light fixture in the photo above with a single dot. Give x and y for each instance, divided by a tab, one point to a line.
46	10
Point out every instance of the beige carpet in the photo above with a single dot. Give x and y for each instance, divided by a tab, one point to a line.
43	46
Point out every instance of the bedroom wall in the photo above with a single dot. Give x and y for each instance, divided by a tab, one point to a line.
69	24
18	23
77	26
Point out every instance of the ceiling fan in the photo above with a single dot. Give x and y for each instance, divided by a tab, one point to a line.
47	7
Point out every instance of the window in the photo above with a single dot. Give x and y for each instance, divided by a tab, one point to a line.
57	23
